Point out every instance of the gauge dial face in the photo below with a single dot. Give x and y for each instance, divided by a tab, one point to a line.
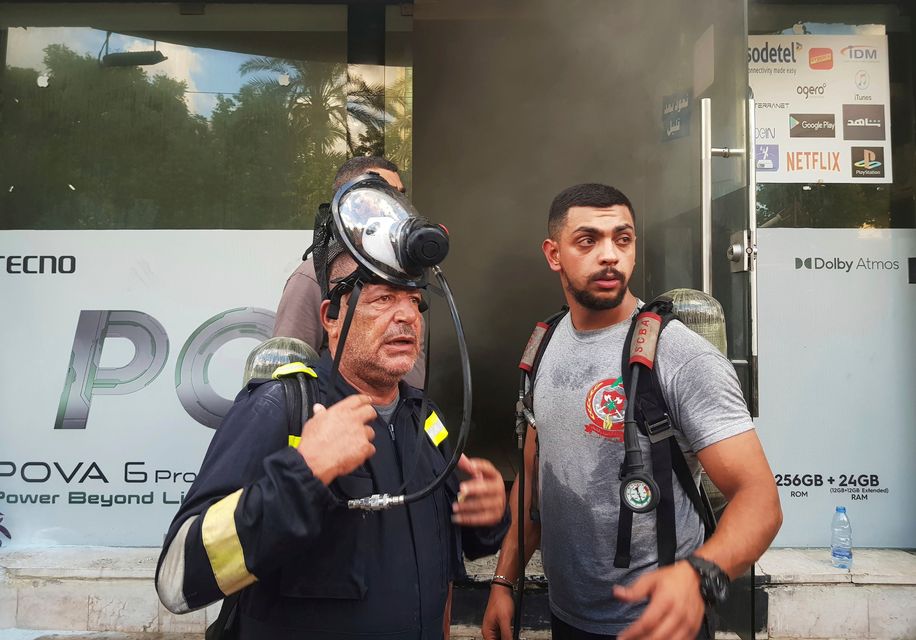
637	494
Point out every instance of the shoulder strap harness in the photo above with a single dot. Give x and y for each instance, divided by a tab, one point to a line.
300	388
648	412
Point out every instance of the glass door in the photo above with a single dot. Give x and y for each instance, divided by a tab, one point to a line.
515	101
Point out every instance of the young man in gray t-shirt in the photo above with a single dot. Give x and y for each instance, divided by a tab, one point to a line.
579	403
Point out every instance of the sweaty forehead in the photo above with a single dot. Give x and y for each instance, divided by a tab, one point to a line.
606	218
377	288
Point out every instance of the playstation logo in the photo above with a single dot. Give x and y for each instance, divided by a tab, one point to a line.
799	263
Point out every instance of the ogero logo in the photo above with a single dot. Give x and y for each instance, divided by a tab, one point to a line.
859	53
867	162
15	265
812	125
820	58
845	266
811	90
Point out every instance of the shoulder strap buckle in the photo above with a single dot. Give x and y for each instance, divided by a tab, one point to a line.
659	430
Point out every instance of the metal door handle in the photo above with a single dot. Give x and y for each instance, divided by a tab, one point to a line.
753	401
707	152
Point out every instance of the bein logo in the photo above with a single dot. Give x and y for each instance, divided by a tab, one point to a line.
86	379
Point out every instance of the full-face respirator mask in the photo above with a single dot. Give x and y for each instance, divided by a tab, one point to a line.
384	233
391	244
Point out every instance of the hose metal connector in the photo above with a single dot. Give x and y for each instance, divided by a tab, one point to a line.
376	502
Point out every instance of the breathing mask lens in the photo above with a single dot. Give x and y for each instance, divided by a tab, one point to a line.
384	233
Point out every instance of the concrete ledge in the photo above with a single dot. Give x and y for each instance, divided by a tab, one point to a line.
81	563
808	598
88	589
812	566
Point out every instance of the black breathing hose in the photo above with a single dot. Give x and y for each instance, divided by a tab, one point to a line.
632	456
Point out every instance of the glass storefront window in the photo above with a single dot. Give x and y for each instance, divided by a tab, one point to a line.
229	127
835	205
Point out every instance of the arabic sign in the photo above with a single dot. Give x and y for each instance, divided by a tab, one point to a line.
676	110
823	108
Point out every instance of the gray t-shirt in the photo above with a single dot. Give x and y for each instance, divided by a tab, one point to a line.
579	406
385	411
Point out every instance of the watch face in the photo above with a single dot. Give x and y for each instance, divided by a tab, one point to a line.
638	494
719	588
713	582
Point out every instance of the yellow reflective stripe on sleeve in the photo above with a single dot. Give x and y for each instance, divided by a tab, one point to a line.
223	547
294	441
293	368
435	429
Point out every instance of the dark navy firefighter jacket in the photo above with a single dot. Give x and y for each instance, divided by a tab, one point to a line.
257	519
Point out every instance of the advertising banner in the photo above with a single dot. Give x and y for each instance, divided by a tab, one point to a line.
837	377
823	108
121	352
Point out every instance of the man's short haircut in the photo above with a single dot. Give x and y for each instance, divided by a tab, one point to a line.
341	266
359	165
589	194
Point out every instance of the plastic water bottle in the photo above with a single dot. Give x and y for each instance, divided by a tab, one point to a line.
841	540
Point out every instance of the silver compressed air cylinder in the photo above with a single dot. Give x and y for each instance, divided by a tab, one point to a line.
276	352
703	314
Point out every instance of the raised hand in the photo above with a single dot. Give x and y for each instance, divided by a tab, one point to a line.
338	439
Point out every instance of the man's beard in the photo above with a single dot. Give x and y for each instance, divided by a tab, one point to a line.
599	303
368	364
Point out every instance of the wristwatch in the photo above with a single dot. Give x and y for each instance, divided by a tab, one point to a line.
713	581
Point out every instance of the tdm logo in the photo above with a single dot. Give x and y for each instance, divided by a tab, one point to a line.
839	264
859	53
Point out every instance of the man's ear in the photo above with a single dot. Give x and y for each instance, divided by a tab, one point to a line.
330	325
551	251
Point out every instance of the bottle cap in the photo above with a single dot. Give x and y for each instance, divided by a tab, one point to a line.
841	509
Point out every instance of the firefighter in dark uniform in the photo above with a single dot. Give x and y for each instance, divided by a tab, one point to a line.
267	514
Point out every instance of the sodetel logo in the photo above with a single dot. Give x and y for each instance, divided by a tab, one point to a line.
774	55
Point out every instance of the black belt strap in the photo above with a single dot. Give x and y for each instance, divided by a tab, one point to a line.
664	512
697	496
624	535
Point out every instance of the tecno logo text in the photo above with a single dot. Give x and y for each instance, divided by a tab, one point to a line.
39	264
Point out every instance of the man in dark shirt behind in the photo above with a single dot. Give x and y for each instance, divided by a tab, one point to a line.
298	314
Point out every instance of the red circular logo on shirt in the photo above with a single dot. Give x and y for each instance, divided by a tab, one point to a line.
605	405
